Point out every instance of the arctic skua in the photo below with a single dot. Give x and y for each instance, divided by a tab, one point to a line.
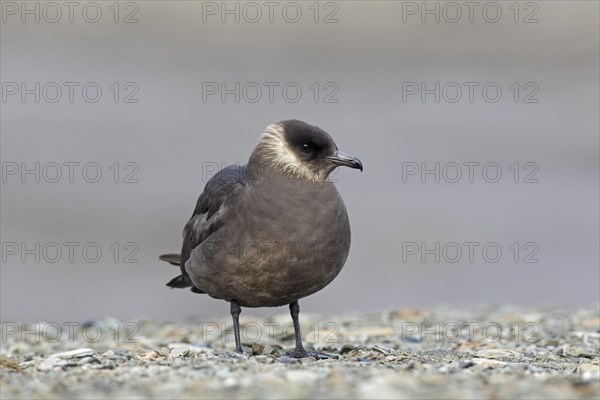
270	232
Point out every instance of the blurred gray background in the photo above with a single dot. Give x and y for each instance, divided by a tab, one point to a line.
172	135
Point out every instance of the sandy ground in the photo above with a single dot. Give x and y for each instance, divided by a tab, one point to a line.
484	352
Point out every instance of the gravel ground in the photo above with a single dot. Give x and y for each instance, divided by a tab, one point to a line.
484	352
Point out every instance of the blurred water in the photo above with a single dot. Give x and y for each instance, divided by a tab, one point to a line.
361	61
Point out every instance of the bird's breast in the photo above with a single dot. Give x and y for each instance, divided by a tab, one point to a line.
286	240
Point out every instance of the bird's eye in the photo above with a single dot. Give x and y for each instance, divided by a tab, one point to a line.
306	148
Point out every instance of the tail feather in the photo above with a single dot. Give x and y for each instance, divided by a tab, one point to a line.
174	259
180	282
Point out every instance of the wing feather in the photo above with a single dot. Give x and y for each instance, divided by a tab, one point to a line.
211	207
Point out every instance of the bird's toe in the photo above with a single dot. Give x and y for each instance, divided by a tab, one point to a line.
298	353
309	354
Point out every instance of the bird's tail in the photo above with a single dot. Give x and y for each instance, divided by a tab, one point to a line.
174	259
181	281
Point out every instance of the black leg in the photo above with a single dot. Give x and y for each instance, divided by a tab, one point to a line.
299	351
236	310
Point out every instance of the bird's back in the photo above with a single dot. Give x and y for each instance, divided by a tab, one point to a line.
207	218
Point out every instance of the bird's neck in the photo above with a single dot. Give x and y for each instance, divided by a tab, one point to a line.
258	169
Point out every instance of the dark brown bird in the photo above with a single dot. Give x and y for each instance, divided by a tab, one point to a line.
272	231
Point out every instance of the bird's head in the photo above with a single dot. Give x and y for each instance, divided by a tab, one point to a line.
301	151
